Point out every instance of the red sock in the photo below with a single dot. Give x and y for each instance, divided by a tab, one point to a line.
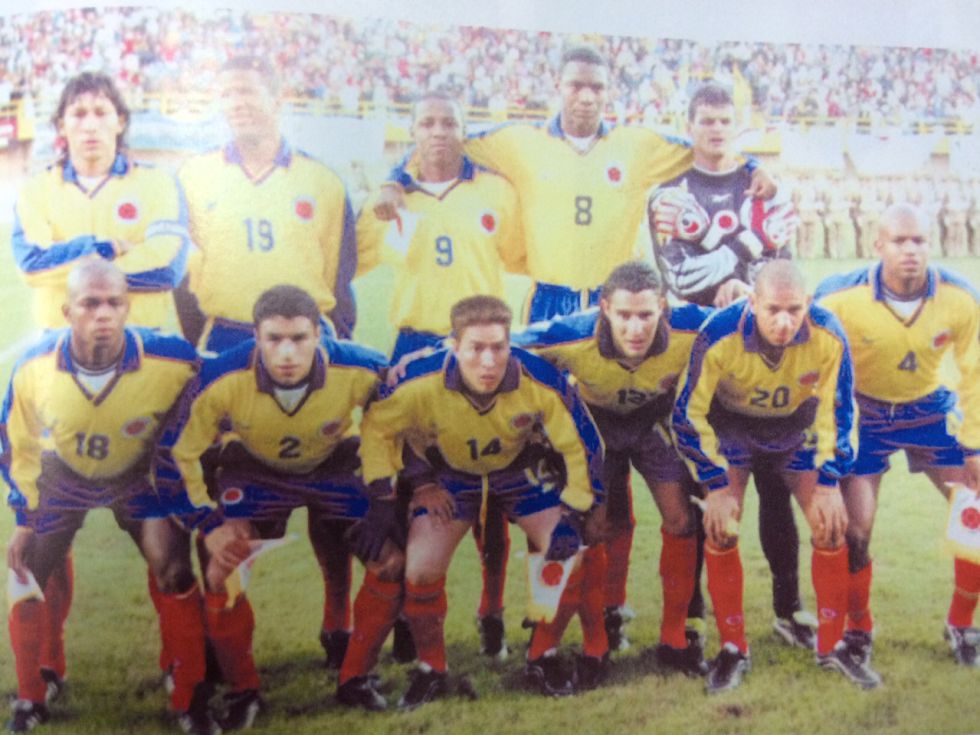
425	610
548	635
58	594
618	547
230	632
592	603
859	600
25	624
375	609
494	547
966	576
336	597
166	657
831	580
725	585
678	557
182	627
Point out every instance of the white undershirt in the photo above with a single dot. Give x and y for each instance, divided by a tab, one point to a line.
581	144
95	381
437	188
289	398
91	182
905	308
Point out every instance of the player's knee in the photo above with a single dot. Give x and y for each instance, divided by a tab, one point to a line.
726	543
858	552
680	525
390	567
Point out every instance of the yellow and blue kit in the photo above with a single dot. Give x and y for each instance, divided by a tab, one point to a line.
581	210
899	371
460	243
66	449
484	449
294	224
58	222
732	399
298	448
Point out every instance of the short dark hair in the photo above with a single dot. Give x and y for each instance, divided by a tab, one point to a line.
582	53
437	94
478	310
633	276
265	70
89	82
709	94
286	301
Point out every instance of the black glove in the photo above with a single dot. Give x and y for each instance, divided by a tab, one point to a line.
380	523
566	538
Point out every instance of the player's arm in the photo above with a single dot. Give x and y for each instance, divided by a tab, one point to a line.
510	240
193	430
21	459
338	239
834	421
370	233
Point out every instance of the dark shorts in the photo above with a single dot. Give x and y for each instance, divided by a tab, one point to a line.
247	489
547	300
776	443
925	430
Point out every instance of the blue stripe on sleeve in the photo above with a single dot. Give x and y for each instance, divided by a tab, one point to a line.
344	314
560	330
841	281
689	317
32	258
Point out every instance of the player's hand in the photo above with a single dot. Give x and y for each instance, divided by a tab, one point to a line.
566	538
731	290
122	246
17	552
762	186
704	271
675	212
390	199
721	516
228	546
972	467
397	371
596	529
368	535
830	517
435	500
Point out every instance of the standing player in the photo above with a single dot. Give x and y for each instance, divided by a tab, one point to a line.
80	423
902	316
626	358
710	240
476	421
287	399
263	214
769	381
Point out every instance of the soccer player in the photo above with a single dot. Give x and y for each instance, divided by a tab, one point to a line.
902	316
710	239
626	357
477	420
262	214
80	423
769	381
286	400
96	202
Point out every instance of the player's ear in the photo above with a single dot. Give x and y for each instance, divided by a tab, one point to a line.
604	306
65	310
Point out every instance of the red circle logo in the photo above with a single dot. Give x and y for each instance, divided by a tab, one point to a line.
970	518
488	222
810	378
232	496
940	339
136	427
127	211
614	174
521	420
726	221
551	573
329	428
304	209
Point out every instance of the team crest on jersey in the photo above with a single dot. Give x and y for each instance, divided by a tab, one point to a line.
488	221
667	383
232	496
615	173
970	518
331	427
522	420
304	208
810	378
127	211
137	427
940	340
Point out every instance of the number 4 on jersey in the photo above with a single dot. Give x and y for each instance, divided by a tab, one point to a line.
908	362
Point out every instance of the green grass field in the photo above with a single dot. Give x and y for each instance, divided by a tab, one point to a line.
113	641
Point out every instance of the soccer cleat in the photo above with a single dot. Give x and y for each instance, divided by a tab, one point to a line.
27	715
616	618
589	672
547	675
402	644
427	684
197	719
335	646
727	669
239	709
964	642
688	661
858	643
361	692
54	685
492	641
851	665
798	630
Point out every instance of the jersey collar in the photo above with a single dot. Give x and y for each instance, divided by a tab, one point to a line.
604	339
555	129
878	287
130	362
284	156
265	383
454	378
120	167
408	176
753	340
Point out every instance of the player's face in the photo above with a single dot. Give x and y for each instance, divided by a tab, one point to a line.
712	131
633	320
583	88
249	106
288	346
779	312
438	133
96	312
90	127
482	351
903	247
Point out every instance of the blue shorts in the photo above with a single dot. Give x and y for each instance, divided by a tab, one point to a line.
220	334
776	443
65	497
925	429
547	300
409	340
247	489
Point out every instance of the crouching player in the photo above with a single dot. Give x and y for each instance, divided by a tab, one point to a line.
902	318
79	428
769	382
475	421
286	400
626	357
